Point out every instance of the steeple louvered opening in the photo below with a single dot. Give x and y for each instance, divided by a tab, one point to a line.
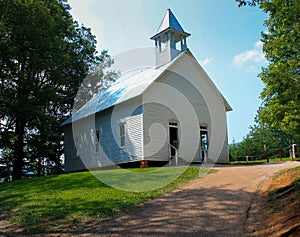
170	39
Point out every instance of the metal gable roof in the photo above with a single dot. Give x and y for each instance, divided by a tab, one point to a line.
131	84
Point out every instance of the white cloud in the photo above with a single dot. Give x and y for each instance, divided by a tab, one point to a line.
206	61
254	55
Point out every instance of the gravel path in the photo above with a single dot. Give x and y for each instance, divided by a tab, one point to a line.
215	205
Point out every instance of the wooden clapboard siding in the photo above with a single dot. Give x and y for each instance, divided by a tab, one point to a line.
154	113
155	125
191	81
196	100
189	68
82	132
107	122
131	114
72	162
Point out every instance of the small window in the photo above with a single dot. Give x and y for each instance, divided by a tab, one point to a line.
122	134
178	46
173	124
163	43
163	46
97	141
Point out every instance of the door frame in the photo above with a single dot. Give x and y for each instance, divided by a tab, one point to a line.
203	153
173	124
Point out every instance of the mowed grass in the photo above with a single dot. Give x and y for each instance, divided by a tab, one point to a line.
42	205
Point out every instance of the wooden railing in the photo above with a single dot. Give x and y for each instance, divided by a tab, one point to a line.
176	154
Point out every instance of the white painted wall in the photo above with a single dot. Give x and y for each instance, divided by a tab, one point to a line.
175	94
156	121
72	162
107	122
189	68
187	85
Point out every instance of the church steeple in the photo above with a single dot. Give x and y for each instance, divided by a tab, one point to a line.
170	39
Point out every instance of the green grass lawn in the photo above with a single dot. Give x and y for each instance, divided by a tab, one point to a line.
39	205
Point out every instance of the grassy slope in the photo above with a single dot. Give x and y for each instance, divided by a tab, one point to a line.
40	204
281	206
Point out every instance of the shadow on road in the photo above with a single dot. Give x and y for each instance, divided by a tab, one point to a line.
199	212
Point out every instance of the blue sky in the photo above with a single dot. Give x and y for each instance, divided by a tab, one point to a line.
224	39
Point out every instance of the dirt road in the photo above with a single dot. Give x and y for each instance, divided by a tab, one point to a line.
215	205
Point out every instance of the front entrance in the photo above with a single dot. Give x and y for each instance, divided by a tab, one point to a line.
173	135
203	143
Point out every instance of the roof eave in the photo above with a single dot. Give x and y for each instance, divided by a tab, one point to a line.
185	34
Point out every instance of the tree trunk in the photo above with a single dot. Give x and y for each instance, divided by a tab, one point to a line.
39	167
19	151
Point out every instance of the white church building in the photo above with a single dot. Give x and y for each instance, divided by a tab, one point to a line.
169	113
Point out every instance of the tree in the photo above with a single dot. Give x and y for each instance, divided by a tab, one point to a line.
281	97
91	85
249	2
261	134
233	150
44	56
277	124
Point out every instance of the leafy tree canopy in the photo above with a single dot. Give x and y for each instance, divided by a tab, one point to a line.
44	56
248	2
259	136
281	97
278	122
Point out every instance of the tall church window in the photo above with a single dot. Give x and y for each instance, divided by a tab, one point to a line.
97	141
122	134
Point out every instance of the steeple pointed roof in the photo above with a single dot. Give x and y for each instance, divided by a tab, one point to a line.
170	22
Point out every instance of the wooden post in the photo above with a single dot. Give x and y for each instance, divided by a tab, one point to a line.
144	164
280	153
266	154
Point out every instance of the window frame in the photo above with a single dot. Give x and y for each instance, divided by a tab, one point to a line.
97	141
122	134
76	144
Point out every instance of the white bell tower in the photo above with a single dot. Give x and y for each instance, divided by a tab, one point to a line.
170	40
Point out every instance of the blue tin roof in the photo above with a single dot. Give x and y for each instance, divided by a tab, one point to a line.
131	84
